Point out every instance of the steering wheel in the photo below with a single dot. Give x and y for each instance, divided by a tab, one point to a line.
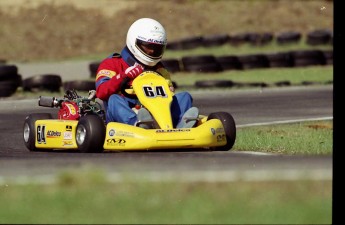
123	86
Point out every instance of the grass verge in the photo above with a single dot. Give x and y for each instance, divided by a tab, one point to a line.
306	138
86	198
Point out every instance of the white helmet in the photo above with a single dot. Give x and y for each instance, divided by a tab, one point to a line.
146	39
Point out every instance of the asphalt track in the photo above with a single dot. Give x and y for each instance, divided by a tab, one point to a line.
248	107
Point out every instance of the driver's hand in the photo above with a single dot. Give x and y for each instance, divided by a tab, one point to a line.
134	71
172	89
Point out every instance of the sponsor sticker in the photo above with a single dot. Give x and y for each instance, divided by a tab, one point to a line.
220	130
124	133
71	109
172	130
116	142
221	137
53	134
67	135
67	143
111	132
107	73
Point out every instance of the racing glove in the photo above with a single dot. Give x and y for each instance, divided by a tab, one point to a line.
134	71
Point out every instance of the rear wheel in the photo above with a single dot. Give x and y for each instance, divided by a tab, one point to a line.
90	134
229	129
29	130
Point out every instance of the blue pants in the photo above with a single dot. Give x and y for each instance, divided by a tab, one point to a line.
119	108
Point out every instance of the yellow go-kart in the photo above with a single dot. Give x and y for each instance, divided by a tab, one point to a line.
81	124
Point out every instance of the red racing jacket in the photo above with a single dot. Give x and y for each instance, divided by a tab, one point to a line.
110	75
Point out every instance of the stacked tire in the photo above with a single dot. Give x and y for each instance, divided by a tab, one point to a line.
328	54
43	82
202	63
289	37
303	58
10	80
79	85
229	62
254	61
280	59
172	65
93	67
319	37
215	40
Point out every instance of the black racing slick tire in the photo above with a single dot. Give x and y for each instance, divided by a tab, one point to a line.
29	129
229	129
90	134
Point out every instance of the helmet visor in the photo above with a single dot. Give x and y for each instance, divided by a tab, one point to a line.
151	50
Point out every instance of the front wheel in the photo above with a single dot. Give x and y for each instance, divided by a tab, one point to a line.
29	129
229	129
90	134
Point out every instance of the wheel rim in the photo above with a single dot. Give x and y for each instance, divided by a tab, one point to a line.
81	134
26	132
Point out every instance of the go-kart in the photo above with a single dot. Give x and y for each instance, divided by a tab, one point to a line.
80	124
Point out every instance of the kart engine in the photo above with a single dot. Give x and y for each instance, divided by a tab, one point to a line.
73	106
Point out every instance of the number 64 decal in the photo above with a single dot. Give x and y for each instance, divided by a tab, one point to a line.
157	91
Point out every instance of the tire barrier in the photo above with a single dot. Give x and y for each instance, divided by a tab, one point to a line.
308	58
280	59
289	37
254	61
186	43
10	80
43	82
229	62
214	83
282	83
319	37
315	37
215	40
174	83
328	54
238	39
79	85
251	38
210	63
93	67
263	39
173	65
229	84
203	63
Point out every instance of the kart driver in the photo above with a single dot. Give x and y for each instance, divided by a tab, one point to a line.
145	45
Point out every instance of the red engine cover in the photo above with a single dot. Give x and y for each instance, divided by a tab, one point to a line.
69	111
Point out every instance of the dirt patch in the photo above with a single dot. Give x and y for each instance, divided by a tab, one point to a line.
321	126
48	29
